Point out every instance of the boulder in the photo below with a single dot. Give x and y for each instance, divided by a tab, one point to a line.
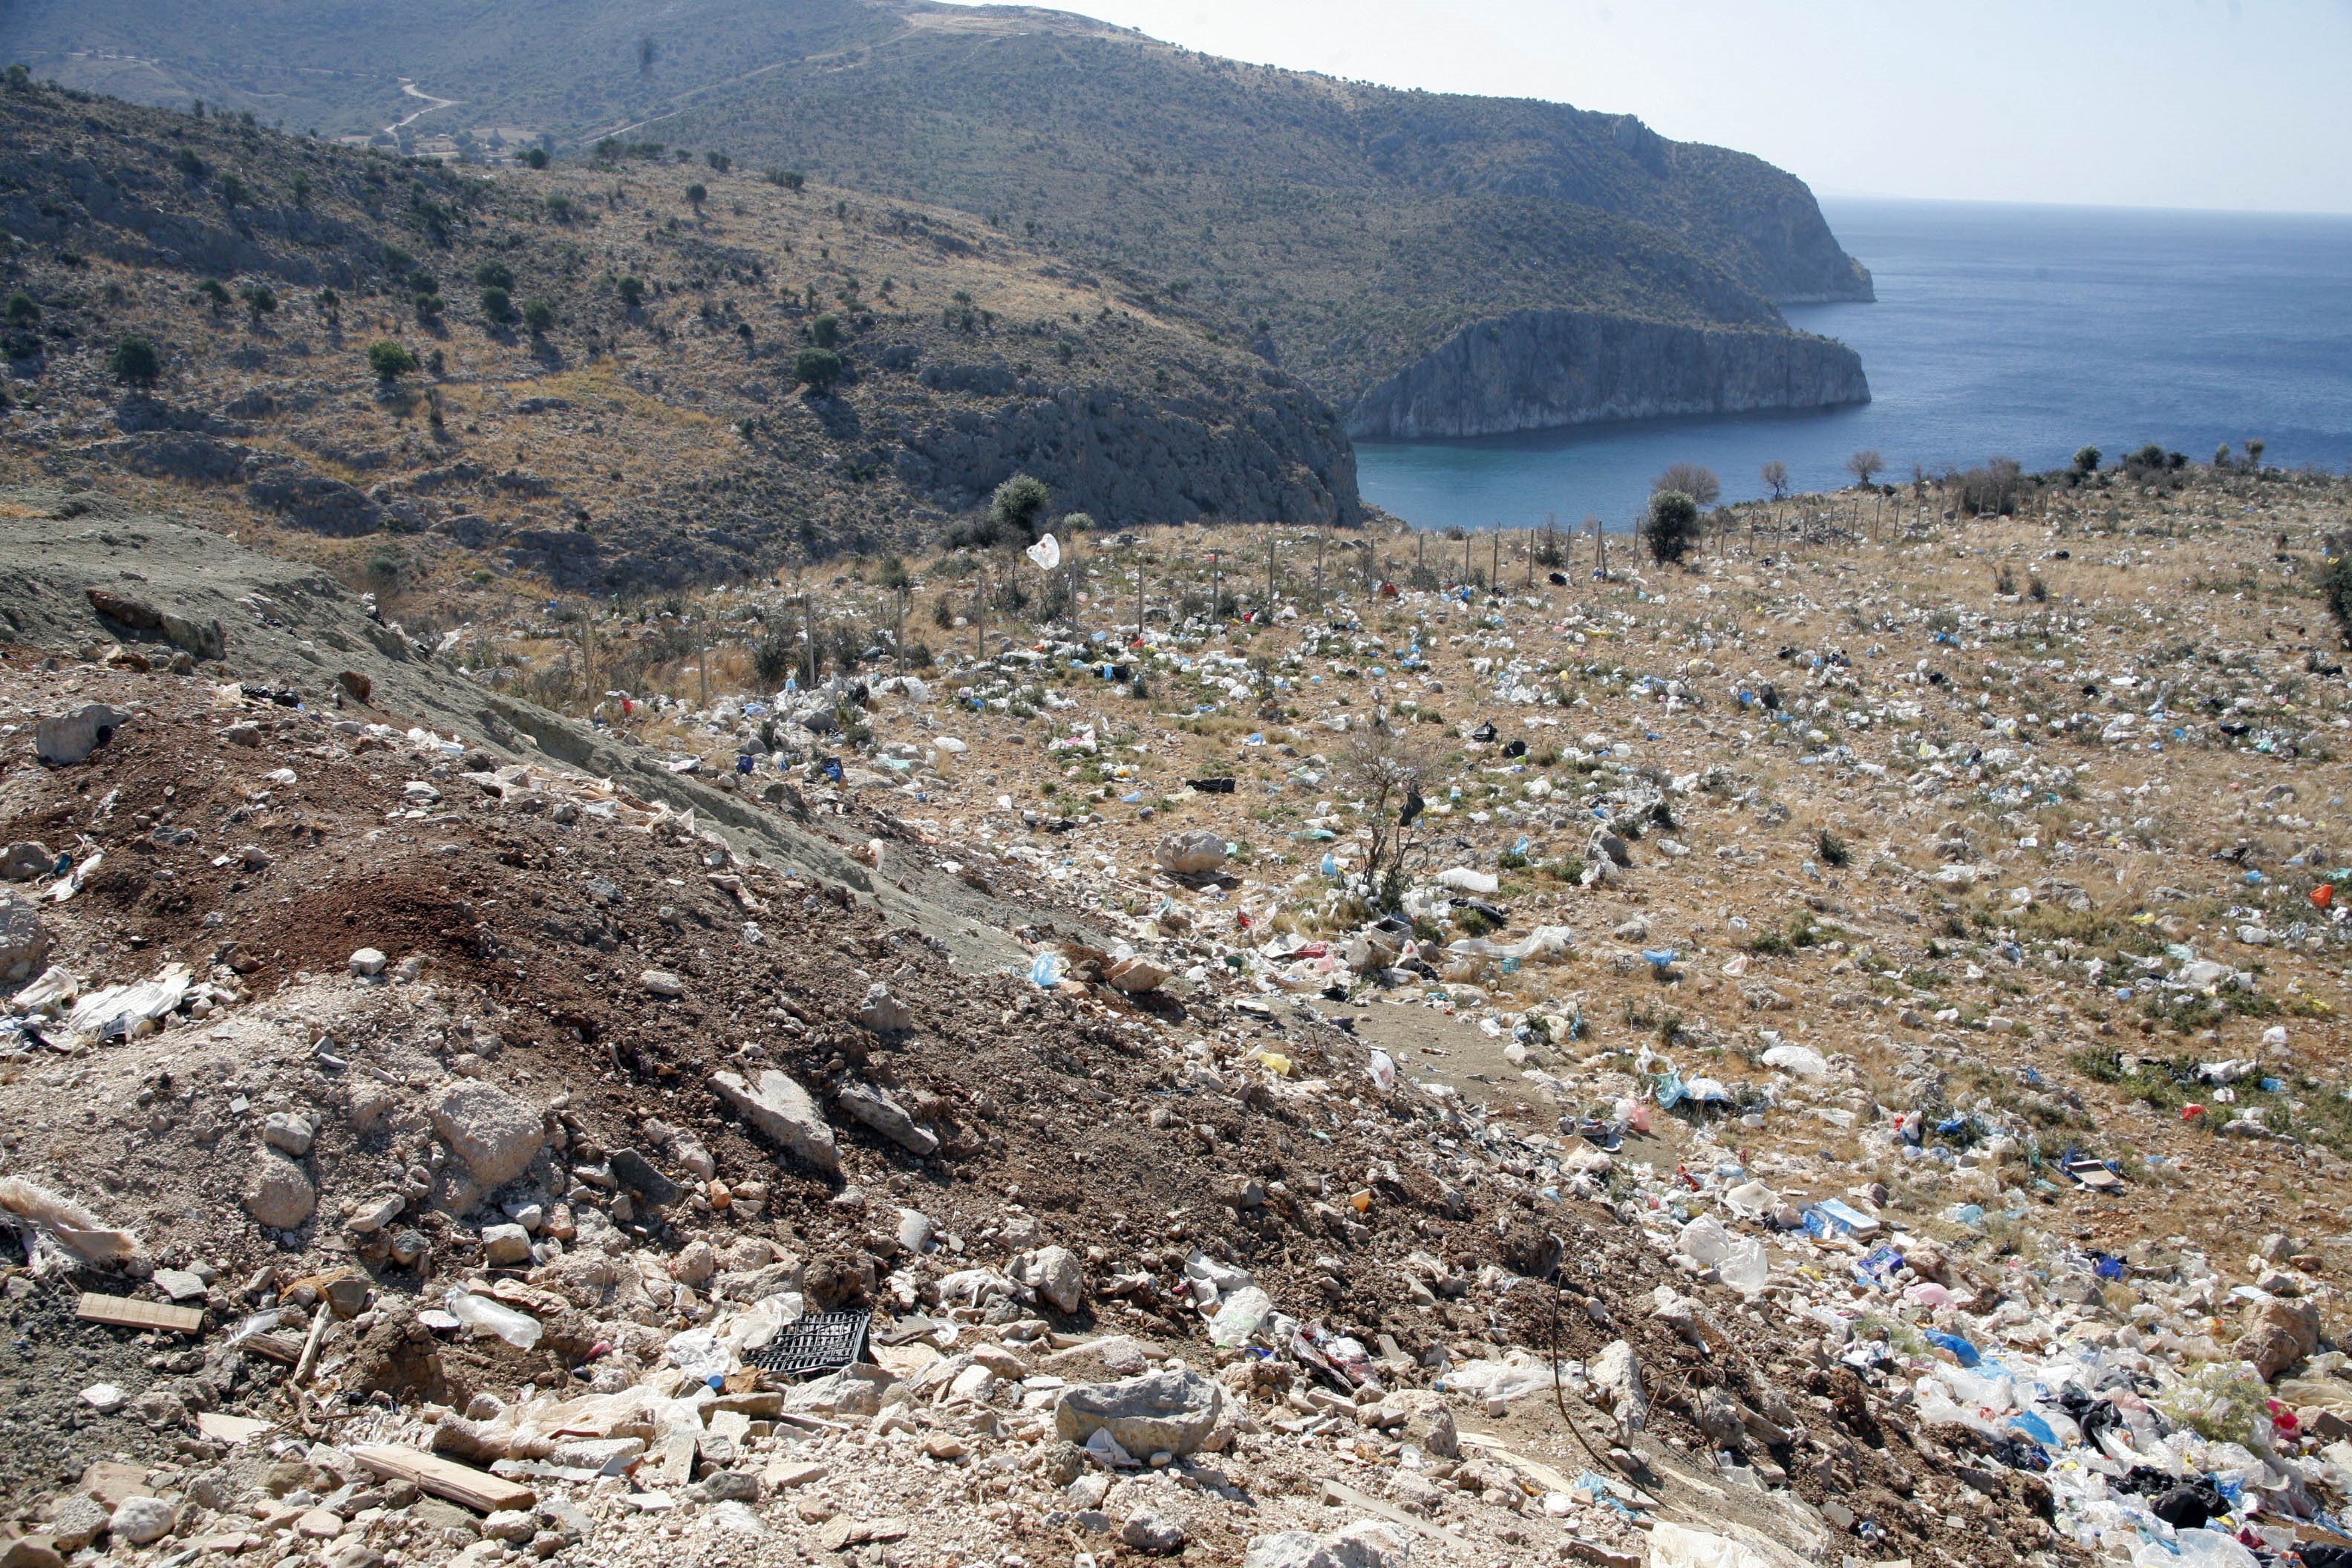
201	639
504	1246
1616	1378
62	740
289	1133
883	1012
2279	1333
781	1111
78	1520
25	860
1192	853
138	1521
641	1180
1136	974
496	1134
863	1102
852	1391
281	1195
24	940
1367	1543
1160	1412
1052	1272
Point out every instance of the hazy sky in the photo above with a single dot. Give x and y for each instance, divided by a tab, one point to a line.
2203	103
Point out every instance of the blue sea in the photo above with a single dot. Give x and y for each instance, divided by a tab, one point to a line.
2019	332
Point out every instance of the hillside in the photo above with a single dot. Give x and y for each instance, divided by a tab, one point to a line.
1344	231
654	428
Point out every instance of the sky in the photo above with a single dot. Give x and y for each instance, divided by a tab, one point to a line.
2228	104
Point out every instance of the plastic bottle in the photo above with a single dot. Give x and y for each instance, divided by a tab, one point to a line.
485	1316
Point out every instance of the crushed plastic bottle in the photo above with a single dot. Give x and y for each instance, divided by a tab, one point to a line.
484	1316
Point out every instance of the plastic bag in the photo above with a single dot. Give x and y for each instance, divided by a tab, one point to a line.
1382	1068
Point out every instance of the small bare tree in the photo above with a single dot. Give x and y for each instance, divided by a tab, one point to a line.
1692	480
1384	769
1866	465
1776	479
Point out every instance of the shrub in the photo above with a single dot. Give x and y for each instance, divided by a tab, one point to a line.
135	362
1865	465
559	207
390	360
819	368
539	315
771	662
496	305
535	158
1992	490
791	179
22	311
2336	583
186	161
1832	848
695	194
259	299
2087	461
632	290
429	304
1671	527
493	274
825	332
720	161
213	293
1017	509
330	306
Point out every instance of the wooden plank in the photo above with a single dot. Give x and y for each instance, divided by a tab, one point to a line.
477	1489
125	1314
226	1428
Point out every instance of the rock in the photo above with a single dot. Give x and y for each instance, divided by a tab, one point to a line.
25	860
24	940
141	1521
78	1520
368	961
1160	1412
289	1133
914	1230
663	984
1616	1377
1136	975
731	1486
375	1213
883	1012
511	1524
63	739
640	1179
1147	1530
504	1246
852	1391
2278	1334
1291	1549
1367	1543
281	1195
31	1552
1428	1421
781	1111
496	1134
356	685
201	639
1052	1272
1104	1359
865	1103
1190	854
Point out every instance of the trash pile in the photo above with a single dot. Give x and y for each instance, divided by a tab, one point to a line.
1778	1116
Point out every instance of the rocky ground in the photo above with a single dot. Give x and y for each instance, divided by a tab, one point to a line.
1865	1010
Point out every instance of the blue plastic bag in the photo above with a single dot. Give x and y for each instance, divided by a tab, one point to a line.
1962	1352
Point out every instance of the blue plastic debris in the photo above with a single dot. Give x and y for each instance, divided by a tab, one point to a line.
1962	1352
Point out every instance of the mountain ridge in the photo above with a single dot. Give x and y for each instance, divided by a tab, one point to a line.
1340	229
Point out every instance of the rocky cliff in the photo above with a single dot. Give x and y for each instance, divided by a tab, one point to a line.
1541	370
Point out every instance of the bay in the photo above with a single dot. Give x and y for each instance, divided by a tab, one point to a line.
2023	332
